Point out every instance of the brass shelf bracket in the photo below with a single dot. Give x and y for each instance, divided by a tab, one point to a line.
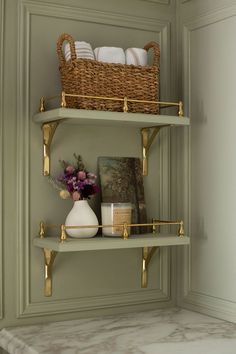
147	140
49	257
48	133
147	254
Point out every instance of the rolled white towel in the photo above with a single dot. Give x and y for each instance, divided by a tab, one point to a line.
136	56
83	50
110	55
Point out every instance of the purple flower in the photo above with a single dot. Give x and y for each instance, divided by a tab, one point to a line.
81	175
70	169
80	183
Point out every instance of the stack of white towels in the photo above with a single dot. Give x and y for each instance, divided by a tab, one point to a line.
134	56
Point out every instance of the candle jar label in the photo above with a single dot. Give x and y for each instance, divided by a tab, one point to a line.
121	216
115	214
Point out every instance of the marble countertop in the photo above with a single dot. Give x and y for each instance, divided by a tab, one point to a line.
164	331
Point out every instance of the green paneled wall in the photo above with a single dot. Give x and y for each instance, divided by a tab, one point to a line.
91	282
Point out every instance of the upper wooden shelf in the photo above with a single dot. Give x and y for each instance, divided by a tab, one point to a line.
106	118
145	122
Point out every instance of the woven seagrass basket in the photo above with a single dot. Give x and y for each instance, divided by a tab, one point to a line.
88	77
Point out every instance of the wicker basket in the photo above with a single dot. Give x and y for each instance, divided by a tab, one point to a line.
93	78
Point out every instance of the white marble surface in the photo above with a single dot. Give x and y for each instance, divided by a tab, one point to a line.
166	331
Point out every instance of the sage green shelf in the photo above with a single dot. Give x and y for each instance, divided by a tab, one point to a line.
149	243
149	125
93	117
110	243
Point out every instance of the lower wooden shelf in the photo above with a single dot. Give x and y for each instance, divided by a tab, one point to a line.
110	243
149	243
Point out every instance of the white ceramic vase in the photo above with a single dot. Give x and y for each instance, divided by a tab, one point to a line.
81	214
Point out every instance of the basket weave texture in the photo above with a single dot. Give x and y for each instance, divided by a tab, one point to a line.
94	78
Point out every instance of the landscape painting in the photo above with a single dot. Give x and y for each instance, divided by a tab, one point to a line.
122	182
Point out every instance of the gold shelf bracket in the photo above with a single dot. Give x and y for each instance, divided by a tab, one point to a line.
148	252
48	133
49	257
147	140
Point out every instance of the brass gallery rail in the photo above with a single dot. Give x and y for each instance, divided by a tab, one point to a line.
125	228
126	100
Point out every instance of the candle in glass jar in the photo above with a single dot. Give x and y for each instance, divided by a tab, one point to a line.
115	213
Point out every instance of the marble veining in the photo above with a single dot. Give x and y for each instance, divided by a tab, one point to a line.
164	331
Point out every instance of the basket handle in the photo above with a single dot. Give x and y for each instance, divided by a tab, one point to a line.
65	37
156	49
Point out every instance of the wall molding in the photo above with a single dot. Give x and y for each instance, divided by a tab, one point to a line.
88	15
211	306
210	17
26	308
187	297
2	7
92	303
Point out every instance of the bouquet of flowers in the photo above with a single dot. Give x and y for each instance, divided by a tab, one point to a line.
75	181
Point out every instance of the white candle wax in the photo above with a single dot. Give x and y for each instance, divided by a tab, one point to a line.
115	213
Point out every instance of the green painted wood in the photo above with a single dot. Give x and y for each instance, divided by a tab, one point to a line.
92	117
30	70
109	243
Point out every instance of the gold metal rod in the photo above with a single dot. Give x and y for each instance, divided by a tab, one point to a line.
166	104
157	102
122	99
159	223
121	225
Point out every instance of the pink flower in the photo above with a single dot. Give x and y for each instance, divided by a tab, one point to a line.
81	175
70	169
76	196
